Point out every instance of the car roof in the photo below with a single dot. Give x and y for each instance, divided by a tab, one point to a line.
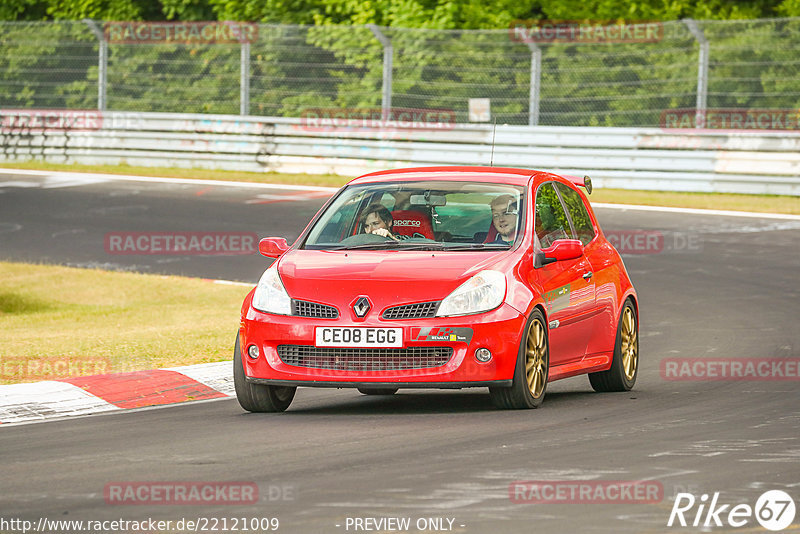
500	175
506	175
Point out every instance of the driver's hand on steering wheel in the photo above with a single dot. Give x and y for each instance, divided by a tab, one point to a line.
383	232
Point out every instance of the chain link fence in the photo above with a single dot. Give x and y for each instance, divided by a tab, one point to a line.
280	70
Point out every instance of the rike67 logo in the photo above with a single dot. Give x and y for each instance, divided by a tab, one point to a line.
774	510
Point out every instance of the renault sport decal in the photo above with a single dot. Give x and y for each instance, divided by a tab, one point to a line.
442	333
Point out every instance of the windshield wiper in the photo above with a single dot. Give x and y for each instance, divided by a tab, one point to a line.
400	245
366	246
422	246
391	244
480	246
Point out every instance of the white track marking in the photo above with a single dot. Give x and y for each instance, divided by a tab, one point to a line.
46	400
184	181
217	375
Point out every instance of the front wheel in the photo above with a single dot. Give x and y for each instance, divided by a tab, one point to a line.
530	374
621	376
258	397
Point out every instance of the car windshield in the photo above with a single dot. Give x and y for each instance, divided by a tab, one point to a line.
421	215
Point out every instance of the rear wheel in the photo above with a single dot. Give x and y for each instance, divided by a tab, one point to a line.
621	376
258	397
530	374
378	391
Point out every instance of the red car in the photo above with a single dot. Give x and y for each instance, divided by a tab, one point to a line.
441	277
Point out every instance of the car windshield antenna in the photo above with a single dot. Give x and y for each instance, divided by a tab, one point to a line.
494	130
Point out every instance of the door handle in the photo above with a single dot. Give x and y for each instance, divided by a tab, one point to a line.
588	275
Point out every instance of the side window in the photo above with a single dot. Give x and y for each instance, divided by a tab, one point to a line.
387	200
577	212
550	220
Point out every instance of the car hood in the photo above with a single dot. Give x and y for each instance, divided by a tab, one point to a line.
387	278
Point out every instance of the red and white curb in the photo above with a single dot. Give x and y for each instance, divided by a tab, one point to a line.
39	401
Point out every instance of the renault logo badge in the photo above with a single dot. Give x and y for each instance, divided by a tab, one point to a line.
361	307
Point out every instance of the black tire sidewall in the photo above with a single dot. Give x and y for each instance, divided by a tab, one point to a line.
627	384
520	390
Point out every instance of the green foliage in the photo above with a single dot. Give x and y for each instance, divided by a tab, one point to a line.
337	62
188	10
272	11
789	8
433	14
97	9
48	65
23	9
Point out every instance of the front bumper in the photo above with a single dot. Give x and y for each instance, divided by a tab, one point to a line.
498	330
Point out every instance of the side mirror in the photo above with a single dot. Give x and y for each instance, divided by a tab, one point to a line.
561	250
272	247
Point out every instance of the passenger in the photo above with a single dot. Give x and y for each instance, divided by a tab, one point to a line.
504	218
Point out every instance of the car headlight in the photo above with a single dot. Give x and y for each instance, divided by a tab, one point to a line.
483	292
270	295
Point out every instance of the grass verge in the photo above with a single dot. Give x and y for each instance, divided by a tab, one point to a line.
719	201
59	322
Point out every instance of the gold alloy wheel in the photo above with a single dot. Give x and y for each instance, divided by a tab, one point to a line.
629	348
536	358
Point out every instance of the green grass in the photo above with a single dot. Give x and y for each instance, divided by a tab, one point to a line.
715	201
54	317
720	201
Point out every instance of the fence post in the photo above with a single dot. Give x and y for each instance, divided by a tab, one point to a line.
536	82
244	79
702	72
102	63
388	53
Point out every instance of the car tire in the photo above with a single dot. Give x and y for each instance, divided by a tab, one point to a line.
378	391
529	384
621	376
258	397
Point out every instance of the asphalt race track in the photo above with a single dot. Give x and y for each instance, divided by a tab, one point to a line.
717	287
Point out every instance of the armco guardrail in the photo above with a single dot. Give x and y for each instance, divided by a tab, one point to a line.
763	162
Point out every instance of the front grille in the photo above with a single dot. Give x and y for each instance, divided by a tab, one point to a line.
302	308
423	310
364	359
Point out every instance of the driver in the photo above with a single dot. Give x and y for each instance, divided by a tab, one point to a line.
378	220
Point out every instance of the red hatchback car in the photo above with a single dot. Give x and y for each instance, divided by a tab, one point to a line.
441	277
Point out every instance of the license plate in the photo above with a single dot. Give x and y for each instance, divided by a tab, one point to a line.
360	336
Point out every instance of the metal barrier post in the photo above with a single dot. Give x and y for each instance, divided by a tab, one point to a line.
244	80
102	63
536	82
702	72
388	53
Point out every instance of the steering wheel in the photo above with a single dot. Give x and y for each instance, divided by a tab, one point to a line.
363	239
